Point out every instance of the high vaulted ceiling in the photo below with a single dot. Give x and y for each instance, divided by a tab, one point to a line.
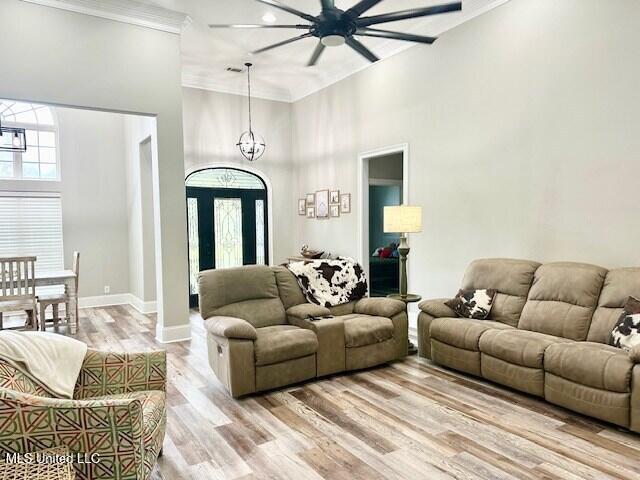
279	74
282	73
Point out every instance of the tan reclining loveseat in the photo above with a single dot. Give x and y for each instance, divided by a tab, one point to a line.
259	336
546	335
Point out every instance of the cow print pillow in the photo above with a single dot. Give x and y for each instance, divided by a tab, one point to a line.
472	303
626	333
330	282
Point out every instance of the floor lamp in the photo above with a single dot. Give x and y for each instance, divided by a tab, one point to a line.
403	219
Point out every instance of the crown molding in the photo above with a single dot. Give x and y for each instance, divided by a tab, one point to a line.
202	82
125	11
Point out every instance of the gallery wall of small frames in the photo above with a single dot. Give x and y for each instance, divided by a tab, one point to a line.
324	204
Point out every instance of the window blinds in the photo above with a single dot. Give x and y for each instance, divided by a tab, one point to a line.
31	224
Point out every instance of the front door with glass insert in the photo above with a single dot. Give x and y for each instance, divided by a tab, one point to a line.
226	211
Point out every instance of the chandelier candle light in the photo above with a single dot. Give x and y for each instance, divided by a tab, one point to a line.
251	145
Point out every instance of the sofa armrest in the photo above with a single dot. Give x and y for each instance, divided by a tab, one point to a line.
231	327
634	354
380	307
437	309
118	423
111	373
307	310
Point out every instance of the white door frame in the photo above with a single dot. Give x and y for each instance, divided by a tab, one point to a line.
363	194
256	172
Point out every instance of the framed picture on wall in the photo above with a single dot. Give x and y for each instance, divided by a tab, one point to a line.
311	199
334	210
322	204
345	203
302	206
334	197
311	212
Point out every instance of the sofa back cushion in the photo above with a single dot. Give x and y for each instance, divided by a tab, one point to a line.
562	299
619	285
290	291
512	280
250	293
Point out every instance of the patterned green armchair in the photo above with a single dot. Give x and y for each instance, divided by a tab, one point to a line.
118	412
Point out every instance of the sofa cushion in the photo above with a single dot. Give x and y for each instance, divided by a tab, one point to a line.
619	285
384	307
290	292
472	303
279	343
562	299
361	330
626	333
463	332
511	278
520	347
436	308
250	293
591	364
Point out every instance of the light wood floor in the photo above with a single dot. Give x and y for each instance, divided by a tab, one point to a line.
410	420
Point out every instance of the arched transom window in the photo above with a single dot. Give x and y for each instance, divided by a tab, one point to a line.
40	161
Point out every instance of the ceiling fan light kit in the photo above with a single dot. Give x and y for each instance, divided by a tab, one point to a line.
335	27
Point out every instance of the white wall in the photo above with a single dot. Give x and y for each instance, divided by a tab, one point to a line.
66	58
93	192
213	123
524	136
141	149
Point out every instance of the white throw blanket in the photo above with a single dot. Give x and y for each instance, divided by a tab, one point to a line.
54	360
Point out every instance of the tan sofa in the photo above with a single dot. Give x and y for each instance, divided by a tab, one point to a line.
546	335
259	336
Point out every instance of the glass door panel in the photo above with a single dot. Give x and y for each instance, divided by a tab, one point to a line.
227	230
260	246
194	244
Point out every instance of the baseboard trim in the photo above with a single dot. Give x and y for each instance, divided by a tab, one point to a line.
104	300
180	333
118	299
142	306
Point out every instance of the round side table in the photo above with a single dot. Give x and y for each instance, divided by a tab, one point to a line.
409	298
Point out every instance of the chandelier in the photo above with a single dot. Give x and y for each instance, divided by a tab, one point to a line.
12	139
251	144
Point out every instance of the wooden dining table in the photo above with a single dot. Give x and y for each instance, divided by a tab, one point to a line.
69	280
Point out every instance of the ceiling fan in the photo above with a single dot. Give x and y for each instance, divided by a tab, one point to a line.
335	27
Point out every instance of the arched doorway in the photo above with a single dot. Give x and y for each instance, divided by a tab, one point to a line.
227	221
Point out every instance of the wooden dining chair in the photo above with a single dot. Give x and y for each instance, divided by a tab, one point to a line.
56	299
17	288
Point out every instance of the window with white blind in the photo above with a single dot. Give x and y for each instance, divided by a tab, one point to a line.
31	224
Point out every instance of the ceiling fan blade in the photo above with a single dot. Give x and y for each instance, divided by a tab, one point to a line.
328	4
285	42
361	49
361	7
249	26
408	37
406	14
293	11
316	54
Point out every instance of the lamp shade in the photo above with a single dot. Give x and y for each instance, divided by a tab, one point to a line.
402	219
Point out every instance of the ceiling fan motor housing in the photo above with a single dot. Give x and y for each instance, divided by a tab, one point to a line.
333	27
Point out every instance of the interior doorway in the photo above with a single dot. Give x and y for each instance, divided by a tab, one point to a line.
226	220
383	182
